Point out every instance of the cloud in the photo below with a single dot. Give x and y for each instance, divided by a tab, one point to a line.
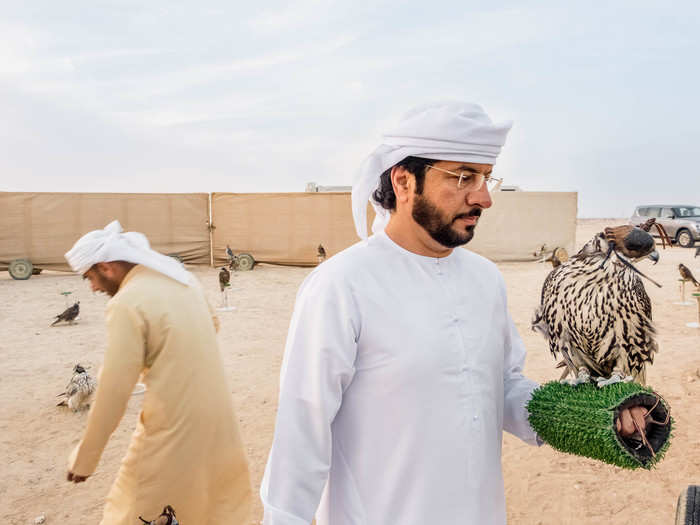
163	96
287	16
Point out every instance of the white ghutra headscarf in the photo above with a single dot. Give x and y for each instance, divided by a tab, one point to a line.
455	131
113	244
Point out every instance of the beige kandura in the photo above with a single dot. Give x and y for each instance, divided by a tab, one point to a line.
186	450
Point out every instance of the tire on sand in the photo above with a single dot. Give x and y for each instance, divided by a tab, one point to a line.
688	508
21	269
685	239
245	262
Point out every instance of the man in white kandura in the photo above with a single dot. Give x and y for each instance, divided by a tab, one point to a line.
402	365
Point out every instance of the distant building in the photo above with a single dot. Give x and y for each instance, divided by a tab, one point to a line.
312	187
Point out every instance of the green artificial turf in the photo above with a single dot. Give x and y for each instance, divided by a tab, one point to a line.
581	420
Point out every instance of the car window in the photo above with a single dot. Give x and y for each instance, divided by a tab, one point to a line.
641	211
667	213
688	211
653	212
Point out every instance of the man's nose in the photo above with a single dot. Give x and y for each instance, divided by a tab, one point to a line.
480	197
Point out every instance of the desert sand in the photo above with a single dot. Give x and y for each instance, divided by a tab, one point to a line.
542	486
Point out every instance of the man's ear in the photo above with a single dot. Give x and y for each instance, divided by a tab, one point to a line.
103	269
401	180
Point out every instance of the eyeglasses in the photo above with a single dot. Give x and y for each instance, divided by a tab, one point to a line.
471	181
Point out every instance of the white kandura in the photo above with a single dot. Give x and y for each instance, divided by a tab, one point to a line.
399	375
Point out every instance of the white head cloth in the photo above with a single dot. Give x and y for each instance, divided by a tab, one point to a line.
455	131
113	244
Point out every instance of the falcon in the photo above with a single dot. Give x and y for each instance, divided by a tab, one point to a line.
224	278
68	315
595	312
321	253
167	517
558	257
79	390
687	275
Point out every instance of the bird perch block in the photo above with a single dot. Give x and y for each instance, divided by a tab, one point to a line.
697	298
582	420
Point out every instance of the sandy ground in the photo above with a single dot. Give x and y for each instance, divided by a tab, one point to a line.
542	486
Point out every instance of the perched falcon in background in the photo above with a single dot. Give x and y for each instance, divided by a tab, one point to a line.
595	312
321	253
559	256
167	517
224	278
79	390
556	256
68	315
686	274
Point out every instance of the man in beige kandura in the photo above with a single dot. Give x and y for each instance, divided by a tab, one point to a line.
186	450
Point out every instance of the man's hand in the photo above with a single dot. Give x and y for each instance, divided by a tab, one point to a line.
628	417
75	478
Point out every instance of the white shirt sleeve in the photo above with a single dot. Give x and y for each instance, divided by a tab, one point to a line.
517	389
318	366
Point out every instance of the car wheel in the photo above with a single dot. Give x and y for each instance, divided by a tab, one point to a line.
685	239
245	262
688	507
20	269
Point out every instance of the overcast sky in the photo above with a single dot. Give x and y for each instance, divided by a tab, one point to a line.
156	96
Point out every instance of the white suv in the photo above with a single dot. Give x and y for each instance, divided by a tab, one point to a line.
681	221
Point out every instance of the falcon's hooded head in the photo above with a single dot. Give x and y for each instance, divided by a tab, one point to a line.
629	243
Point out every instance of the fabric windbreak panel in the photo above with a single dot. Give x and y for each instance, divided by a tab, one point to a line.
14	233
42	227
282	228
520	222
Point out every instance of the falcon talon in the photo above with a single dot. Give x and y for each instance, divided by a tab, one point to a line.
613	379
583	378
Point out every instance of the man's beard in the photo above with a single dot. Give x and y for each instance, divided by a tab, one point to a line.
428	216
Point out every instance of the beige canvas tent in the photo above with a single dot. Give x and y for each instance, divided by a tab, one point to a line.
41	227
286	228
282	228
520	222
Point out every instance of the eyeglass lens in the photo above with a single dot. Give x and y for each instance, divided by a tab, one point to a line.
474	181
